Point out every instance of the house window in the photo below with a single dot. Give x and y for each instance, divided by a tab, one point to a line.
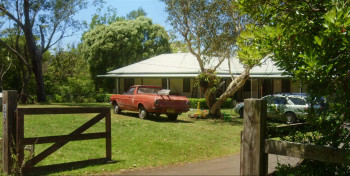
186	85
128	82
285	85
247	86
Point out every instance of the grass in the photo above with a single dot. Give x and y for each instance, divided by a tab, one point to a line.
137	143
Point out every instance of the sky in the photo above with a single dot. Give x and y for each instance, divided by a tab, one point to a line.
155	10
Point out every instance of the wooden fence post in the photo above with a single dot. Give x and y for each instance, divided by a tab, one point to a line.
254	160
9	101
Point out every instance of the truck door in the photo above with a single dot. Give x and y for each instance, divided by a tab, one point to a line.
126	101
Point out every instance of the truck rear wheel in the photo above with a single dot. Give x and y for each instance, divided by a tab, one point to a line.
172	117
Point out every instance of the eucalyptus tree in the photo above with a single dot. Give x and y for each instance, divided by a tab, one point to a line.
19	75
43	23
136	13
123	42
210	30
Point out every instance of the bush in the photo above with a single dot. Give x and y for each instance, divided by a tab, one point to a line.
89	100
57	98
102	98
79	99
203	104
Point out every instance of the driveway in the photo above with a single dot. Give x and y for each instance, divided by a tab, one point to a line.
223	166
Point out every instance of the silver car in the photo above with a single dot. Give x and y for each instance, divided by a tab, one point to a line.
289	107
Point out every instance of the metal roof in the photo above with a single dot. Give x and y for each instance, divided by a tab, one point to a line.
178	65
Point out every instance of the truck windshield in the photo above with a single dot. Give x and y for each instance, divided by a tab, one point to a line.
148	90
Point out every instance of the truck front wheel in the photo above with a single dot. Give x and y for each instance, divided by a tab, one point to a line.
117	109
143	114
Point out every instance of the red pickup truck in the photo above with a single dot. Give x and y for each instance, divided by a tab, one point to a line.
150	99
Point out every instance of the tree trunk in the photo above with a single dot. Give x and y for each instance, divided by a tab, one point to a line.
35	55
26	74
236	83
39	79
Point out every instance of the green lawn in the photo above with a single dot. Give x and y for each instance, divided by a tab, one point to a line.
138	143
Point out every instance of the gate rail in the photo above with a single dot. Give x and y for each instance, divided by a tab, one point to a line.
60	141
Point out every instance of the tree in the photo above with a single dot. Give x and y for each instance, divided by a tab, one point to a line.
210	30
67	74
14	40
107	18
121	43
43	24
310	40
136	13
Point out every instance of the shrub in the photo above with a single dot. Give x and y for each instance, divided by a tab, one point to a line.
89	100
203	104
102	98
79	99
58	98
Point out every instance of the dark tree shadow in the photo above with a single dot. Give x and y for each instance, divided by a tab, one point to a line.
151	117
55	169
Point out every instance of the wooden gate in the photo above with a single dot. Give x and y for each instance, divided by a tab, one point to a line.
59	141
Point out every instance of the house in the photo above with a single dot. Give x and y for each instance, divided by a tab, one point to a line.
177	72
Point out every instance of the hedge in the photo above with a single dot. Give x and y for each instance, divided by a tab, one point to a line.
203	104
90	98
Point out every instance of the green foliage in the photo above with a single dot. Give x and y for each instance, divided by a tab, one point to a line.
136	13
207	79
310	41
178	46
68	76
102	98
43	23
210	30
203	104
108	17
251	48
108	47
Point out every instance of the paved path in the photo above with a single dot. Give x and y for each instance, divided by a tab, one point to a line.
223	166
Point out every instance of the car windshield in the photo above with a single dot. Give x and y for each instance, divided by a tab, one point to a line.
297	101
130	91
148	90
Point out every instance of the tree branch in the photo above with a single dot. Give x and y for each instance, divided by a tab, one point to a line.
11	16
15	52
